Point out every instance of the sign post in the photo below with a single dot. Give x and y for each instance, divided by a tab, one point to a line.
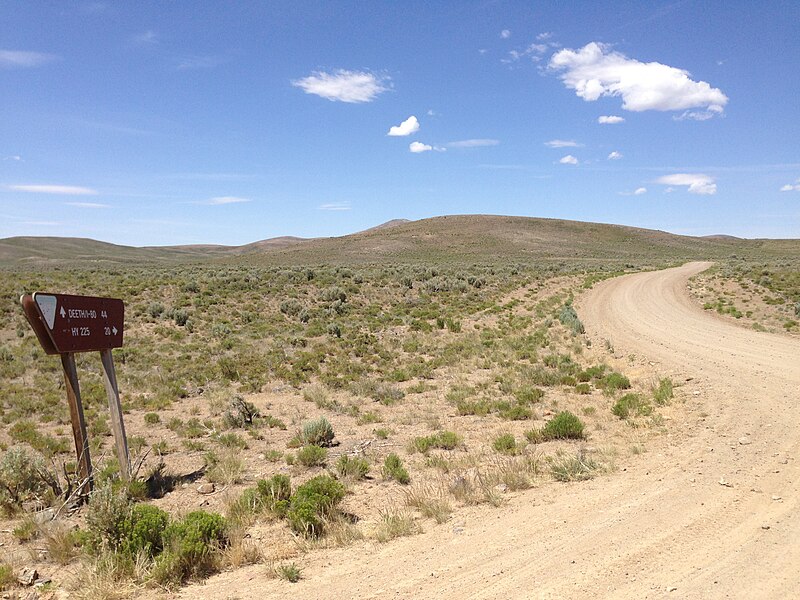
66	324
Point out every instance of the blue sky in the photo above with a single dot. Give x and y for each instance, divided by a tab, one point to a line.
151	123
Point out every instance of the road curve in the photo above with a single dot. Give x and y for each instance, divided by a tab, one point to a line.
710	511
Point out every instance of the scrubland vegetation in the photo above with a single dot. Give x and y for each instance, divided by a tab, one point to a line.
326	404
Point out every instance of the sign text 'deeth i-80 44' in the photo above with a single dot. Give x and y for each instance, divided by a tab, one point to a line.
81	323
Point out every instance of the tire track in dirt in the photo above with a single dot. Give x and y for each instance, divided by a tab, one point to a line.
665	527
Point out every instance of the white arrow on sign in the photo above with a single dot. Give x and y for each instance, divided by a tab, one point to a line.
63	312
114	329
47	304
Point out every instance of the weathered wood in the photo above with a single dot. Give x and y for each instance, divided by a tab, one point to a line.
115	407
78	422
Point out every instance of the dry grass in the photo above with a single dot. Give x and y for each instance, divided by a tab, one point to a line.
393	524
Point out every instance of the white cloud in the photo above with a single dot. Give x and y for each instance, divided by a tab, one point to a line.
335	206
563	144
534	51
610	120
407	127
219	200
87	204
639	191
697	183
544	35
417	147
343	85
595	71
146	38
568	160
615	155
505	34
15	157
474	143
791	187
24	58
68	190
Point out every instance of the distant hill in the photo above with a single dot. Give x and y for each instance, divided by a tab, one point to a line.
459	238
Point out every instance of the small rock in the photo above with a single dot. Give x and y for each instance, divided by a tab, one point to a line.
672	589
501	487
28	576
696	393
765	526
777	498
206	488
44	516
725	483
744	441
42	582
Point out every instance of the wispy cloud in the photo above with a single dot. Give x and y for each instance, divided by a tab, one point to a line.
595	71
193	63
505	34
563	144
407	127
697	183
68	190
146	38
568	160
343	85
87	204
615	155
335	206
220	200
610	120
473	143
14	157
22	59
639	191
42	223
791	187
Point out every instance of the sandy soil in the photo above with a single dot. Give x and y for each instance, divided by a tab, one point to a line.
710	511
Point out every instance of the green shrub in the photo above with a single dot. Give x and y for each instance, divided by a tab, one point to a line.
152	418
312	503
446	440
318	432
24	476
241	413
312	456
517	412
505	444
143	529
352	467
615	381
631	405
569	319
109	509
276	492
7	578
583	389
393	469
528	395
663	393
563	426
190	548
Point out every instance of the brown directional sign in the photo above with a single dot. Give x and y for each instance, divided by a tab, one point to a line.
75	323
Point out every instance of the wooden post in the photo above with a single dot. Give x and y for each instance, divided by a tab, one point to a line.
78	422
115	407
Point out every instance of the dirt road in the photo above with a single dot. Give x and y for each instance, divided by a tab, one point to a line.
709	511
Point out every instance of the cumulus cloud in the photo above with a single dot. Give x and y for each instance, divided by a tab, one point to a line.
474	143
595	71
639	191
610	120
568	160
562	144
343	85
335	206
67	190
791	187
417	147
615	155
697	183
505	34
24	58
219	200
407	127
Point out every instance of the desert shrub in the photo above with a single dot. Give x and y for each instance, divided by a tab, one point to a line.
352	467
180	316
7	578
152	418
480	407
312	456
573	467
24	476
528	395
232	440
583	389
225	467
569	319
109	509
290	572
318	432
312	503
505	444
797	309
276	492
563	426
663	392
631	405
615	381
393	469
154	309
445	440
142	530
516	412
190	548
